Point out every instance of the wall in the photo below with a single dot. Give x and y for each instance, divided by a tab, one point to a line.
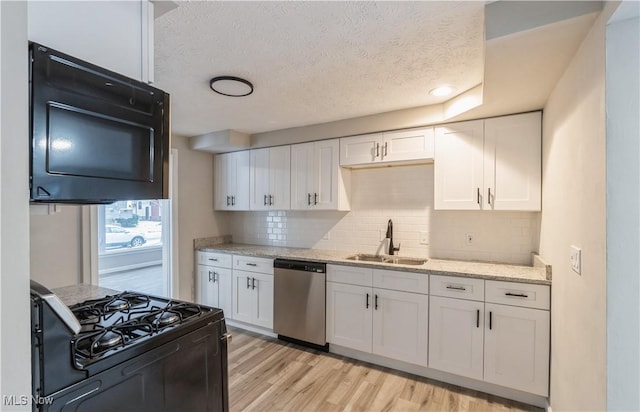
623	209
574	214
56	247
196	218
14	200
405	195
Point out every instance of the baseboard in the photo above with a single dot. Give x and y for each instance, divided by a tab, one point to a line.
524	397
250	328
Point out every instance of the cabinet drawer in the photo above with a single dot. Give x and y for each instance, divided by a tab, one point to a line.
351	275
457	287
399	280
518	294
253	264
214	259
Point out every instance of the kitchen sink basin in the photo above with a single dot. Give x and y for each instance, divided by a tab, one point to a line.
367	258
387	259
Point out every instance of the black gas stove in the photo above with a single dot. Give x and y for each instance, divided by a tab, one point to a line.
128	351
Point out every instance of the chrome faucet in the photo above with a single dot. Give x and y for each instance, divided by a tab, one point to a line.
389	236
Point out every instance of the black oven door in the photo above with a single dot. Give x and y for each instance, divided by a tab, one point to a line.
97	136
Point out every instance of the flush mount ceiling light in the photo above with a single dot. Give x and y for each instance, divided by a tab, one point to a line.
231	86
441	91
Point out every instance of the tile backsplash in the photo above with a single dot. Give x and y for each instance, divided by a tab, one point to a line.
405	195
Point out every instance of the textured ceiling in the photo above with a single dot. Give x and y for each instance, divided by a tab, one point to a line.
313	62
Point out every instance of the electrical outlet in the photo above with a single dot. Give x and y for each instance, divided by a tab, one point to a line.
575	258
326	235
424	238
468	239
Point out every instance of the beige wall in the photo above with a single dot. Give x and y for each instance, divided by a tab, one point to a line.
196	217
573	213
56	247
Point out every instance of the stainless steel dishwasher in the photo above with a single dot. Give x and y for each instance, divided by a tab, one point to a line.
299	302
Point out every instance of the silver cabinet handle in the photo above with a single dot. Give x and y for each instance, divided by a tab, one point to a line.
375	304
270	200
265	200
478	195
253	283
233	200
215	277
489	195
309	199
248	285
213	259
367	302
517	295
385	149
377	149
228	200
251	264
315	198
209	276
227	337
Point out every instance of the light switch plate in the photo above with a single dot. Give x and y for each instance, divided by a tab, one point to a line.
424	238
575	258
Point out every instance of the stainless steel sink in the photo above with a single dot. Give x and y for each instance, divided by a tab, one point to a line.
367	258
405	261
393	260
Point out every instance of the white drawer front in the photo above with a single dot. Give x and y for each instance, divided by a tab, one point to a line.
351	275
222	260
518	294
253	264
399	280
457	287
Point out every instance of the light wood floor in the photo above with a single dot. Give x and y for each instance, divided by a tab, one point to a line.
266	374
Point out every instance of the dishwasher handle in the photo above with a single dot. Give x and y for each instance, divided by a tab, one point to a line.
300	265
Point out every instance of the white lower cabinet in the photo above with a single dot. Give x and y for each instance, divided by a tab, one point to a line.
214	281
215	287
504	344
253	298
516	352
349	316
400	325
456	334
384	322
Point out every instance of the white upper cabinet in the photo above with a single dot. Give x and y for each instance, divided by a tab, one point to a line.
513	162
492	164
402	146
125	47
231	181
270	183
317	181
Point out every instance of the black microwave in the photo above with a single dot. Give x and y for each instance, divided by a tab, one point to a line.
96	136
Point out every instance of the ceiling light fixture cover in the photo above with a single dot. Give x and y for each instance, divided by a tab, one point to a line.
441	91
231	86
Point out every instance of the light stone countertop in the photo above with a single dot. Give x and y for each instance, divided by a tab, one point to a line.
482	270
70	295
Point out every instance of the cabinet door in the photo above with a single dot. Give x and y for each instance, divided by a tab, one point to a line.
263	300
458	180
456	332
207	290
239	188
259	180
363	149
302	176
280	177
349	315
512	162
516	353
223	280
221	182
326	164
408	145
400	325
243	296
